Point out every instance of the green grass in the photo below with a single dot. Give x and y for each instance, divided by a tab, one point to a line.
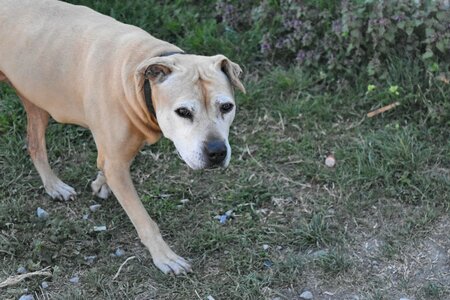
433	290
391	184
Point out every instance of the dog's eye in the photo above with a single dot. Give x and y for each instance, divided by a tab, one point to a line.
184	113
226	107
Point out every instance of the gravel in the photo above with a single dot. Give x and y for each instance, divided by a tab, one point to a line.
100	228
319	253
330	161
306	295
223	219
74	280
268	263
119	252
41	213
90	259
95	207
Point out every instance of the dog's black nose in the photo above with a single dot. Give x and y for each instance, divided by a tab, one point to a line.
216	151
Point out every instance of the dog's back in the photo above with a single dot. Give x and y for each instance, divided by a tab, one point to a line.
53	43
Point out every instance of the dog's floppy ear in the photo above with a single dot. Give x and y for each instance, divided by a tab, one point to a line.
156	69
232	70
157	72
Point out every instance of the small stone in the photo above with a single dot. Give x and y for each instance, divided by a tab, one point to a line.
330	161
404	299
223	219
44	285
319	253
100	228
95	207
86	216
210	297
26	297
41	213
74	280
265	247
184	201
90	259
268	264
119	252
307	295
22	270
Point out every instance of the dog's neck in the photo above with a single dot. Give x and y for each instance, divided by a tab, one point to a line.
139	105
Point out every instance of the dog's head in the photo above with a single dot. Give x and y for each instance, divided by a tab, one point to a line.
194	103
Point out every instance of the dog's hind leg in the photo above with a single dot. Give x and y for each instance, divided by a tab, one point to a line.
37	124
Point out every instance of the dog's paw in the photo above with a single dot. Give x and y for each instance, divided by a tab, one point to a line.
99	187
170	263
102	192
60	191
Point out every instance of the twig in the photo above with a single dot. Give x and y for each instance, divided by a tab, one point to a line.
382	109
15	279
294	162
281	121
257	162
121	266
197	295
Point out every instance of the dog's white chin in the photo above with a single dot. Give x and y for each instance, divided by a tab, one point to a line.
194	164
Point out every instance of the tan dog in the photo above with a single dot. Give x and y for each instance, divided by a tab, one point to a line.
78	66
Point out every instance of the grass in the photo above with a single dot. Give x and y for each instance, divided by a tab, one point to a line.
375	226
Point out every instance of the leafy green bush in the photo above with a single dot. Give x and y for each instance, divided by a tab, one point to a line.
344	36
332	38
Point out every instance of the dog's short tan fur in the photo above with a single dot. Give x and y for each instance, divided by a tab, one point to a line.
84	68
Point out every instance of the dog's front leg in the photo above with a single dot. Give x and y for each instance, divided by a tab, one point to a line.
119	180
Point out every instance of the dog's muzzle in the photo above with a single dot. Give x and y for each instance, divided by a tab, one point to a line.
215	153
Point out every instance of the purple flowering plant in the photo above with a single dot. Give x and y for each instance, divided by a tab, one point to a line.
343	36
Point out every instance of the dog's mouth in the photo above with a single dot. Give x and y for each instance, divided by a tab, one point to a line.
202	165
179	155
212	167
191	164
